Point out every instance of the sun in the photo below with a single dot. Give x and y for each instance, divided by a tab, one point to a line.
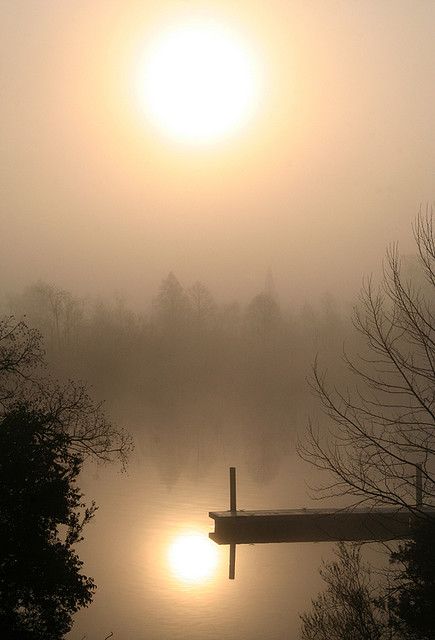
198	81
192	558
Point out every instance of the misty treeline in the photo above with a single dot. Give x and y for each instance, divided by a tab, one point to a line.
187	369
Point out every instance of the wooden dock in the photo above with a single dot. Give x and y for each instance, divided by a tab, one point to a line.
310	525
361	524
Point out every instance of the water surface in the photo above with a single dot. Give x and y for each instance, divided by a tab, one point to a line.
167	494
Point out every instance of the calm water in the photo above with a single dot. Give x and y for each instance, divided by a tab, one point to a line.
145	590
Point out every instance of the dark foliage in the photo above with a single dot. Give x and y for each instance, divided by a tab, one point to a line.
412	599
42	515
347	609
47	430
67	407
382	428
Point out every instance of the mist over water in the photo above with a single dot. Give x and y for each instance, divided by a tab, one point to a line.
192	373
201	386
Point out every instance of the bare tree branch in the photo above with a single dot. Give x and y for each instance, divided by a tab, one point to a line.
383	425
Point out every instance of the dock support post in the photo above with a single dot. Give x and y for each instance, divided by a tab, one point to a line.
233	503
233	509
232	570
418	486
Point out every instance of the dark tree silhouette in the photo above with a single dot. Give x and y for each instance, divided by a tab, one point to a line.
384	425
42	515
411	599
347	609
68	407
46	432
21	354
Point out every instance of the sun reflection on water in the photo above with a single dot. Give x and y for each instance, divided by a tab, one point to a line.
192	558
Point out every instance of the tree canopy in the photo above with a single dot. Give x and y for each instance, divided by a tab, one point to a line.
42	515
67	407
47	430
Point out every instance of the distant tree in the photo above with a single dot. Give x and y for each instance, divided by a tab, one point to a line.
172	303
383	423
263	314
42	515
202	304
347	609
69	406
21	354
54	311
269	286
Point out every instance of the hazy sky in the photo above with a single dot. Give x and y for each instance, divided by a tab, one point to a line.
334	165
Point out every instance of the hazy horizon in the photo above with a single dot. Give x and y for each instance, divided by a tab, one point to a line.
332	167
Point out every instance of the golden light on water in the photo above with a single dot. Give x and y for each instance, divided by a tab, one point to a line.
192	557
198	81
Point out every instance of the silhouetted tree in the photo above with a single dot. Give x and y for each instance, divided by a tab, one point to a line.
21	354
385	426
47	430
355	606
411	598
42	515
347	609
69	407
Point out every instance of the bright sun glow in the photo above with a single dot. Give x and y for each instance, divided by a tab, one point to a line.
198	82
192	557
